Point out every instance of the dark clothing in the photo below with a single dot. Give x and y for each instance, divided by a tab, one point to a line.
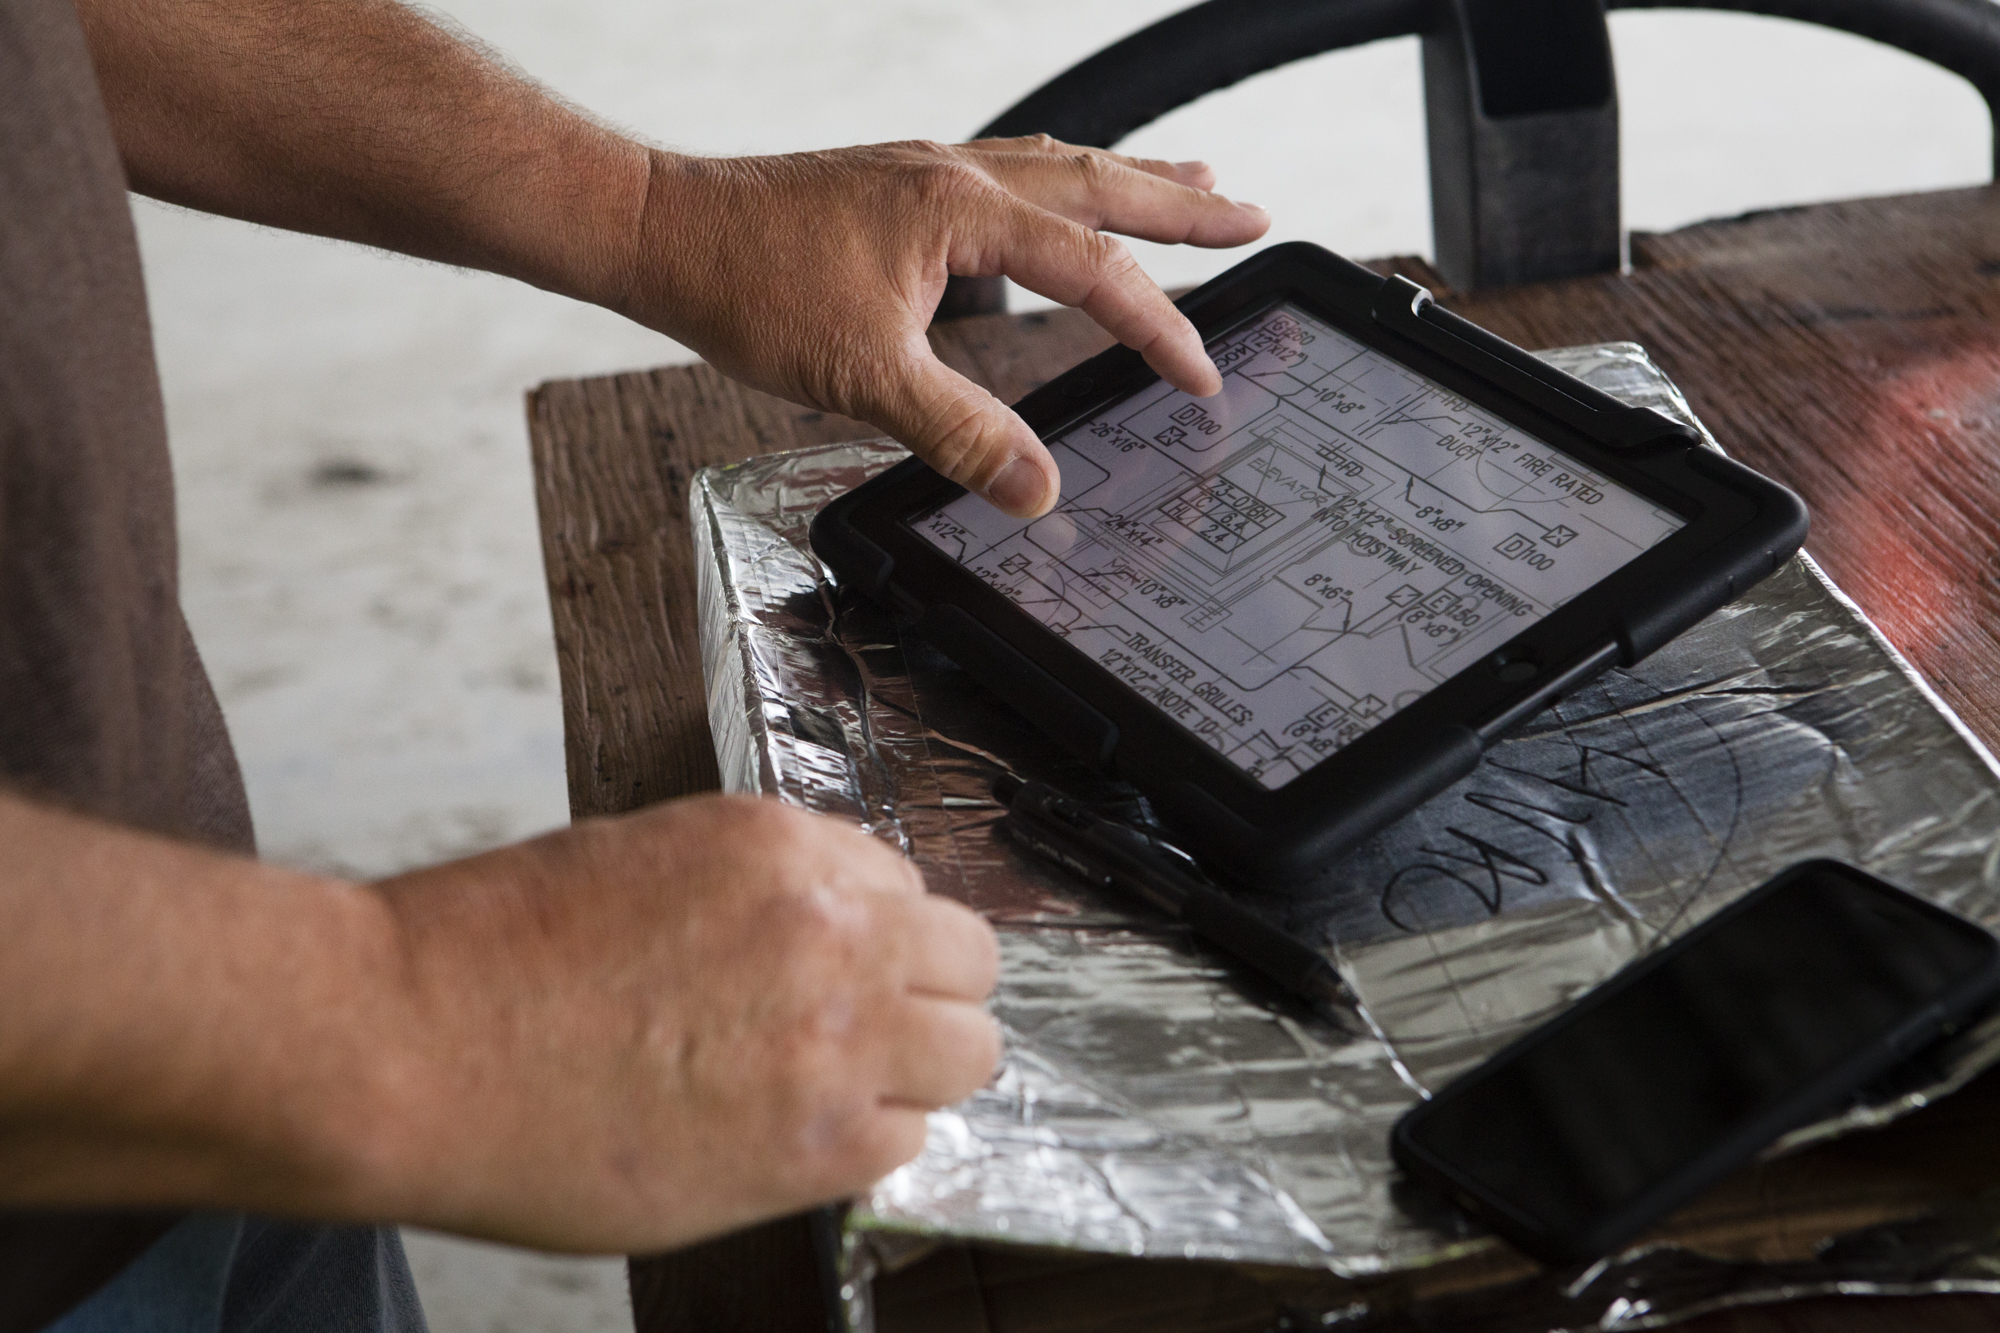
227	1273
104	707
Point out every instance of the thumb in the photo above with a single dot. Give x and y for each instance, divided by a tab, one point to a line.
965	433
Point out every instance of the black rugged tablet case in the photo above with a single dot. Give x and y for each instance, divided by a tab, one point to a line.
1081	713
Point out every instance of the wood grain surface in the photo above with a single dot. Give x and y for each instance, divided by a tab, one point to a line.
1851	350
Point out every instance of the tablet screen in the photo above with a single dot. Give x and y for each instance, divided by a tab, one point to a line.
1282	566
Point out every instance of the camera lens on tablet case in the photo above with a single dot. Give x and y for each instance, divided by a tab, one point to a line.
1518	669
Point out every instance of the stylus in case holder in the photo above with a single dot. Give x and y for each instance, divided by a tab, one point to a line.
1112	854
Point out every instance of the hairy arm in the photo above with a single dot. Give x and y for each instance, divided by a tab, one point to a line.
365	121
620	1037
811	275
160	998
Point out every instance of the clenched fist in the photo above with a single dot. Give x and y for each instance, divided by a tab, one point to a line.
640	1031
814	276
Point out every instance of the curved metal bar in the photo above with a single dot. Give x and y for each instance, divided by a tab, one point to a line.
1216	44
1191	54
1962	36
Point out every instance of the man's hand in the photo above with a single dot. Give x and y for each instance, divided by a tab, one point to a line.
621	1037
813	276
669	1025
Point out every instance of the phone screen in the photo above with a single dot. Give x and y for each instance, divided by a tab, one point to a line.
1284	566
1731	1026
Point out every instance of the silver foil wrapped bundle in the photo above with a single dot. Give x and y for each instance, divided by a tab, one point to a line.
1155	1102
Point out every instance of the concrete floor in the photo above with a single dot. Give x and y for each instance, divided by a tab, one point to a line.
359	552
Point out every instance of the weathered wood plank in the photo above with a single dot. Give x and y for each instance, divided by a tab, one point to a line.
613	458
1852	351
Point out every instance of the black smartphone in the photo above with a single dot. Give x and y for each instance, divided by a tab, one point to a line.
1293	611
1683	1066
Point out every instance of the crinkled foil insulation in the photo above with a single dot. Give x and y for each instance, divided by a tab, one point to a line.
1154	1102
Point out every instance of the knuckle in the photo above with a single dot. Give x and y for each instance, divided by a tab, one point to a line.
958	447
843	1144
829	1136
1032	143
816	937
793	1091
832	1018
913	151
1113	259
786	1092
943	183
825	917
1103	262
816	1051
775	828
1093	170
886	868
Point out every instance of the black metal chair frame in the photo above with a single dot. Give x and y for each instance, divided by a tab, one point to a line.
1520	100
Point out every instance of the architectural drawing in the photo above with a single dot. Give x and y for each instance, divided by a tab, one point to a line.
1284	565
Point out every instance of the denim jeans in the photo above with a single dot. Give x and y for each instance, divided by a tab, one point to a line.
228	1273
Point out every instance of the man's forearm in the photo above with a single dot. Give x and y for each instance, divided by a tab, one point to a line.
187	1028
365	121
811	275
621	1036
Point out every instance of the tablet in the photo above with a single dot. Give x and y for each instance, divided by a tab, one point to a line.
1294	610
